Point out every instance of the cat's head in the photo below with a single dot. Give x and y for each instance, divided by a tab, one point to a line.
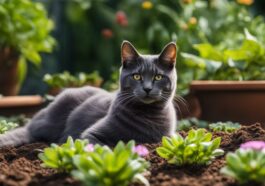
148	78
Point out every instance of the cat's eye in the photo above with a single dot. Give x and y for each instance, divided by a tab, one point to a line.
137	77
158	77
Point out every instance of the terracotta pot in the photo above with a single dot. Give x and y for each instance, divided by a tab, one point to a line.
9	81
54	91
236	101
16	105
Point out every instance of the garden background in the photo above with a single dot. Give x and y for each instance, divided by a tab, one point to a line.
89	33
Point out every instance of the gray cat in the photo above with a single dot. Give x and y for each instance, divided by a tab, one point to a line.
142	109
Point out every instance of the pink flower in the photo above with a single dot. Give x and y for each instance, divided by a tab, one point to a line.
89	148
121	18
255	145
141	150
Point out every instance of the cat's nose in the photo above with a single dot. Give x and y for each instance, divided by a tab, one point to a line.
147	90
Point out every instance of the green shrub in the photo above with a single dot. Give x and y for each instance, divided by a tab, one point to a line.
61	157
238	63
246	165
196	148
224	126
106	167
6	126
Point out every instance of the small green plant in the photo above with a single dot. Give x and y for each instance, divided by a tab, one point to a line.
224	126
65	79
61	157
187	124
19	119
247	164
6	126
106	167
196	148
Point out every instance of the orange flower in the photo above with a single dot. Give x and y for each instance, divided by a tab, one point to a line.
107	33
193	21
245	2
187	1
147	5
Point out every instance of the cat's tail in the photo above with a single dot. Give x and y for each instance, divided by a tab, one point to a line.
16	137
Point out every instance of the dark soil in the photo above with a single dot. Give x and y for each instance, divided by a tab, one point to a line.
21	166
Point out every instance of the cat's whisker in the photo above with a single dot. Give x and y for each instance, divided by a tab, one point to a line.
178	109
129	100
165	98
179	99
124	99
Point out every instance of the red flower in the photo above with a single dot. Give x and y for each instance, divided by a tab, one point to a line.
121	18
107	33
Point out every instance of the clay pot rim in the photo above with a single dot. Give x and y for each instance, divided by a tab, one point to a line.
21	101
227	85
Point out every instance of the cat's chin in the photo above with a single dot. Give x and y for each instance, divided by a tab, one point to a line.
148	100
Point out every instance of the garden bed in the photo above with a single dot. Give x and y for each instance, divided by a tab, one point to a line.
21	166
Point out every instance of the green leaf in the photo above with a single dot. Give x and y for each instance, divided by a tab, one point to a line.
216	143
207	51
218	152
249	51
166	141
163	152
22	70
140	178
193	61
51	154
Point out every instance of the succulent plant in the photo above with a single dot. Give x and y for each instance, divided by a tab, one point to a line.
6	126
187	124
96	164
106	167
224	126
247	164
196	148
61	157
19	119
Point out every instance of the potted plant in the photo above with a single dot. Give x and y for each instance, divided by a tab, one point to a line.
24	33
57	82
230	85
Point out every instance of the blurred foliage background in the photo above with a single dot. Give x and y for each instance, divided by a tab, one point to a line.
89	34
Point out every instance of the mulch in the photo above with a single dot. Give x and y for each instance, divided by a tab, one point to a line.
21	167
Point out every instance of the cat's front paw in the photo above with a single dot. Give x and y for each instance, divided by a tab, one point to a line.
91	138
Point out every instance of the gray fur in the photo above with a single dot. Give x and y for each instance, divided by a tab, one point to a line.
141	110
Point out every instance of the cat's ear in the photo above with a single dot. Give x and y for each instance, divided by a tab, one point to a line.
168	55
128	52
